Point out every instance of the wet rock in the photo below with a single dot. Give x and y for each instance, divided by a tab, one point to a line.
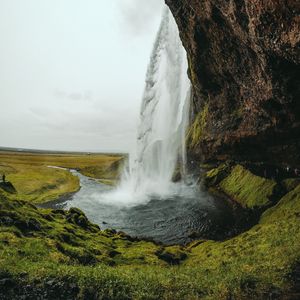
28	225
75	211
34	224
195	235
176	176
66	237
87	259
113	253
6	221
171	257
8	187
82	256
48	217
58	212
50	289
214	176
110	232
6	283
291	183
76	216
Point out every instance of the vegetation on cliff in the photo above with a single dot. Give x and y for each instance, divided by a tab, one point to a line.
248	189
196	130
244	62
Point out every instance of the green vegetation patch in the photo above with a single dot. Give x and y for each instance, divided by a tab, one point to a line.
66	236
214	176
40	184
248	189
196	130
291	183
35	182
107	171
64	255
288	208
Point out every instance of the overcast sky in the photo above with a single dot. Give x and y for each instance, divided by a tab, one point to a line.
72	71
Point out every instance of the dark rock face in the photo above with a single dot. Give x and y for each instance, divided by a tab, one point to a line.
49	289
76	216
244	64
8	187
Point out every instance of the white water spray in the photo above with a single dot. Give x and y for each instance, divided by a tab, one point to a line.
163	120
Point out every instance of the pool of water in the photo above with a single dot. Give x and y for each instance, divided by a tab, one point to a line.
176	219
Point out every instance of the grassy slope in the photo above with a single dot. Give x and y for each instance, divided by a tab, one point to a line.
37	183
253	265
247	189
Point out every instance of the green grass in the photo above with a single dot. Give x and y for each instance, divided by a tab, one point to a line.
36	182
40	184
111	265
291	183
248	189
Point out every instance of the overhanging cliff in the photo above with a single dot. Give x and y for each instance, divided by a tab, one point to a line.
244	64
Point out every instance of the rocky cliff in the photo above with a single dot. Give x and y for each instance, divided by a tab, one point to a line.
244	64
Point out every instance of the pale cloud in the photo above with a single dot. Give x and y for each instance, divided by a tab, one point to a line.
138	16
74	95
72	71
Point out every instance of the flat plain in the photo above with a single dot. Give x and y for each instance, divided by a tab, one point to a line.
36	181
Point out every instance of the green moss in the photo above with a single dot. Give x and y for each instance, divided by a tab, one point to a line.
192	73
37	183
287	208
248	189
214	176
107	173
237	113
68	235
173	255
110	265
40	184
196	130
291	183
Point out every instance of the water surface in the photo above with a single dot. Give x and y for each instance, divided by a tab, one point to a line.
175	219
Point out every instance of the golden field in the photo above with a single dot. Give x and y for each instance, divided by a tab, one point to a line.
36	182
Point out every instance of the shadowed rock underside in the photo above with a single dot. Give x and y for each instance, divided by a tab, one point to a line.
244	61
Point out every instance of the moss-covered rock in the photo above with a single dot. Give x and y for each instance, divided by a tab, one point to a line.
291	183
172	255
214	176
76	216
287	208
248	189
196	130
8	187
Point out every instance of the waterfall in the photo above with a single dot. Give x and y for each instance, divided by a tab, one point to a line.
163	119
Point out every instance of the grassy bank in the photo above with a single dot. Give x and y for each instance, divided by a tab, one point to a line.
64	256
37	183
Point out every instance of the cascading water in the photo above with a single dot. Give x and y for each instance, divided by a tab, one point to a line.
163	117
147	203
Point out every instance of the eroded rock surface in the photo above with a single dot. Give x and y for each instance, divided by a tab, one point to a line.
244	61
